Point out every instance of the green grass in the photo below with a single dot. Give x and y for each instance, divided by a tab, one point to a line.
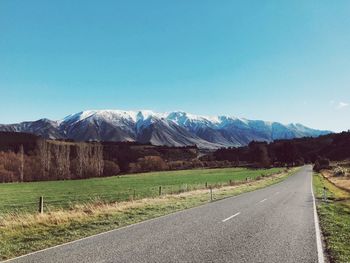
39	232
64	194
334	219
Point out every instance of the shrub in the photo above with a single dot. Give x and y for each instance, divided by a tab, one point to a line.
6	176
152	163
175	165
321	163
197	163
339	171
134	168
110	168
300	161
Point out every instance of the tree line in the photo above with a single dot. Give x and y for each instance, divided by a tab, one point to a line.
334	147
52	160
25	157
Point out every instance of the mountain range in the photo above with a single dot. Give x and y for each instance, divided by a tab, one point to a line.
172	129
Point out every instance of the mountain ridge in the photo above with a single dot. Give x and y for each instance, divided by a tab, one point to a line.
177	128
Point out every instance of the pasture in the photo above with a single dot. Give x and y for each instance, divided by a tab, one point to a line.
23	197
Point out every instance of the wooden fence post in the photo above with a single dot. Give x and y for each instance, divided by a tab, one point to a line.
206	184
160	190
41	204
134	196
211	193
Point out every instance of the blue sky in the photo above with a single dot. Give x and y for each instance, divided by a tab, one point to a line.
286	61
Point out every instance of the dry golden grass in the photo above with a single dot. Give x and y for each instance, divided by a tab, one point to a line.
343	182
78	212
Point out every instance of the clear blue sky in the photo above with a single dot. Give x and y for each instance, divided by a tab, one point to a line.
285	61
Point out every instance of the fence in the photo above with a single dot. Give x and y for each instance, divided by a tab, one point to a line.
49	202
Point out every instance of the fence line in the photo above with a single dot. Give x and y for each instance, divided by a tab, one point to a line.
66	201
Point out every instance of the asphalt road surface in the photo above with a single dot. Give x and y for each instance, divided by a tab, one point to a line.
274	224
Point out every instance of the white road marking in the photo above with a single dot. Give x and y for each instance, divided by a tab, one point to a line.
231	217
277	193
317	228
262	201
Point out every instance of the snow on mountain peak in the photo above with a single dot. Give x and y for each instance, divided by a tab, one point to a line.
176	128
148	114
106	115
179	117
184	118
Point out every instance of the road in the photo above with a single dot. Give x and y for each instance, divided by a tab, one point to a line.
274	224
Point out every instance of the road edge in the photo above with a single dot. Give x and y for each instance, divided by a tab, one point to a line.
320	252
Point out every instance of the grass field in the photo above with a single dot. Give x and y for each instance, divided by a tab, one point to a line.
334	219
28	232
65	194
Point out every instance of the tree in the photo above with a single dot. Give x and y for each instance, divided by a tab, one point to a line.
287	153
259	154
321	163
21	168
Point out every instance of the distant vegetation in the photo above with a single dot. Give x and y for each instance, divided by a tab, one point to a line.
334	147
25	157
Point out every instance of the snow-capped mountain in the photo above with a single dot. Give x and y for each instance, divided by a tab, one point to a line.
172	129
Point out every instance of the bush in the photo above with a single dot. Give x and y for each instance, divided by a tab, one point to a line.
134	168
321	163
152	163
175	165
6	176
300	161
339	171
110	168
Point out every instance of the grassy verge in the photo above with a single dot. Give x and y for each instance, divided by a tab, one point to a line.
334	219
27	232
66	194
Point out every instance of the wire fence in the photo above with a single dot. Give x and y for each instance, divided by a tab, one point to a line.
52	202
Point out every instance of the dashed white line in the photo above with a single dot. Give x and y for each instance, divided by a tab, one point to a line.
262	201
230	217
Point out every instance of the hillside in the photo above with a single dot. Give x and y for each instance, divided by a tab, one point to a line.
170	129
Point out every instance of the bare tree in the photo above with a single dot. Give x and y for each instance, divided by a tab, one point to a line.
42	154
21	168
97	158
45	157
66	161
